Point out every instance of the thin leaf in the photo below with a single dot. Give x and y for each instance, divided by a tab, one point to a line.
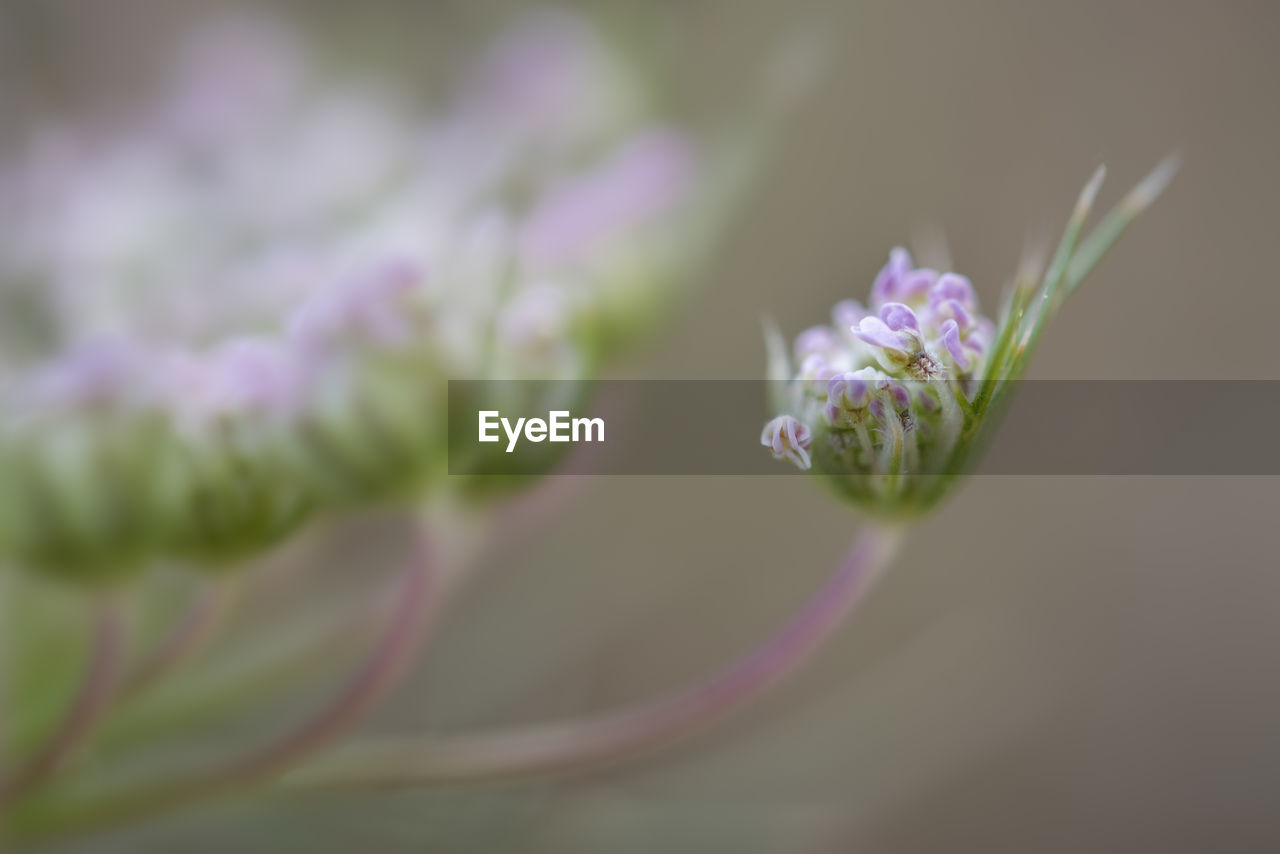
1058	267
1108	231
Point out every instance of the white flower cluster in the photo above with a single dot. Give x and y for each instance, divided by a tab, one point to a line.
263	276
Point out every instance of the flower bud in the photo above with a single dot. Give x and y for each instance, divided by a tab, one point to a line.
788	438
911	390
816	340
885	406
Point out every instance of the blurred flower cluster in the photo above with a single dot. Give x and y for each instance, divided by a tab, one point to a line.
235	306
232	309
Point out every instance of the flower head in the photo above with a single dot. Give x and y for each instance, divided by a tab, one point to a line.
894	401
240	304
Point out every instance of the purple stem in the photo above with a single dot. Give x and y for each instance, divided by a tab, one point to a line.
97	688
374	678
372	681
186	635
565	746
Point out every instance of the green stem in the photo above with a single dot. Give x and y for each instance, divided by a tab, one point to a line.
891	480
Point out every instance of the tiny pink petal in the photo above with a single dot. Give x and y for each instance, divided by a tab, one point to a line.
950	336
952	286
899	317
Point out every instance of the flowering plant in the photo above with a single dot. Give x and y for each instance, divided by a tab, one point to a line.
144	421
894	399
234	312
249	296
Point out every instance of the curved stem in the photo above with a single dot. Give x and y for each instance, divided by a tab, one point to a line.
372	680
300	651
188	632
565	746
92	698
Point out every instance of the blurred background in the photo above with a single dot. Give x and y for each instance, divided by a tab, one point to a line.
1054	664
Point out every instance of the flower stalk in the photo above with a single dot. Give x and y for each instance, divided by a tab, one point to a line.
195	625
574	745
375	676
521	751
91	701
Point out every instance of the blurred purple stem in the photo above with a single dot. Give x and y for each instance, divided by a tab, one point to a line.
373	679
519	751
93	697
189	631
558	747
376	675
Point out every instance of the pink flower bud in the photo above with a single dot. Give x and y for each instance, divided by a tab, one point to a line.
788	438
